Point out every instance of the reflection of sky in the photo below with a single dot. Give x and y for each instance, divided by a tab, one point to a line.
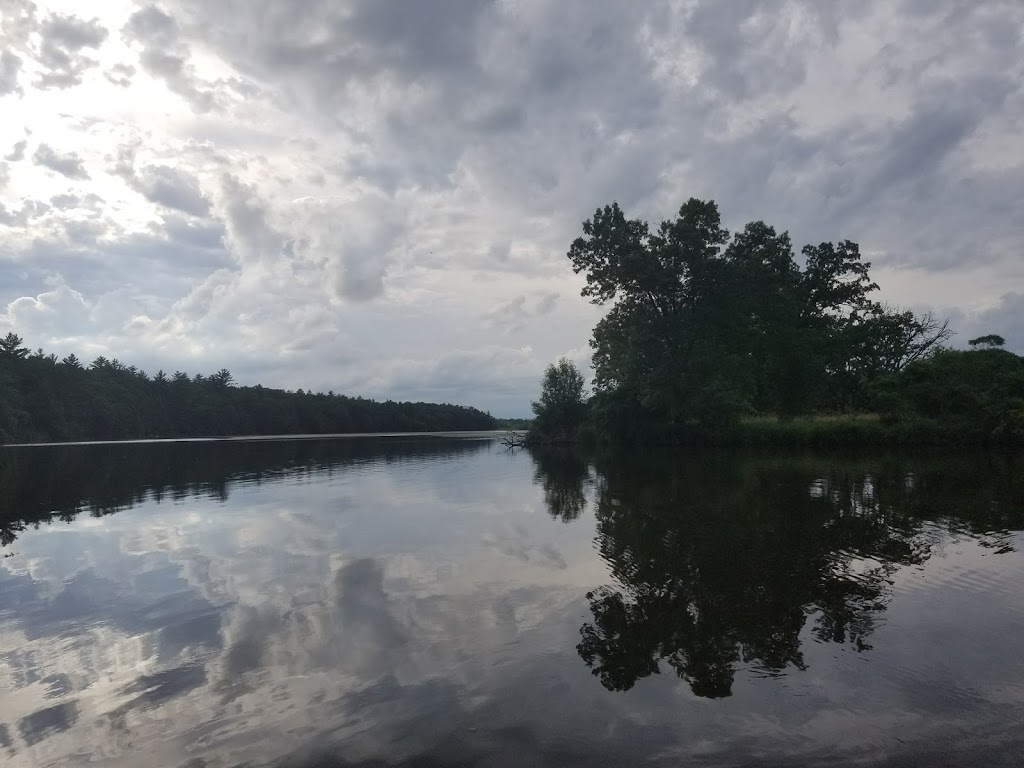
432	608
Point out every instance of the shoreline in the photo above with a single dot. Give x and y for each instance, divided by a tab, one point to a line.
868	430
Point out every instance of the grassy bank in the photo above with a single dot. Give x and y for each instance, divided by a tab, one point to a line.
825	431
858	429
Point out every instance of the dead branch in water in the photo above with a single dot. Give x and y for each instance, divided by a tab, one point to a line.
513	439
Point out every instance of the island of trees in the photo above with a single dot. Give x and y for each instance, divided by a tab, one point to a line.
722	337
43	398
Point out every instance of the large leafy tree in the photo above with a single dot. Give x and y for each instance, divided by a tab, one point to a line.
561	408
705	327
655	340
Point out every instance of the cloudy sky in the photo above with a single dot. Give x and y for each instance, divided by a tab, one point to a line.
376	196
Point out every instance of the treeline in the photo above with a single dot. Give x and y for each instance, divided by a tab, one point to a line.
706	330
43	398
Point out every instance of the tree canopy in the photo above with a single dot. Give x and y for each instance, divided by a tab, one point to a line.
561	409
977	391
707	327
989	341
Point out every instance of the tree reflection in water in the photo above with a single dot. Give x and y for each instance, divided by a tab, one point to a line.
722	561
562	473
57	483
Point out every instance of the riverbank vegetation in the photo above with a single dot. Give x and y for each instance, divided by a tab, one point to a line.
43	398
713	337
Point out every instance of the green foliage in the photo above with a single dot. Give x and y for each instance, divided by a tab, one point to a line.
561	409
11	414
708	329
980	392
513	424
989	341
11	347
46	399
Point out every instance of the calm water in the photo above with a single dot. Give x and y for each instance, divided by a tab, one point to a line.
441	602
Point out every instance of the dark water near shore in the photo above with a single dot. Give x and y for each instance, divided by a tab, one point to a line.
438	601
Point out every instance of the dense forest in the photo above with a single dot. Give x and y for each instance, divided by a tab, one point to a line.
43	398
706	331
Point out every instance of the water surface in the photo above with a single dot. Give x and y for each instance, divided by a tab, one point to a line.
439	601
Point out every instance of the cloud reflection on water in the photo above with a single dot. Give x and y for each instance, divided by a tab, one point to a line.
421	606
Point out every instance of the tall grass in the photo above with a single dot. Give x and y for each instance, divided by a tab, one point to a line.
865	429
858	429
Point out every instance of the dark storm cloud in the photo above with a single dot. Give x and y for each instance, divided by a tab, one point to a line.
63	39
69	164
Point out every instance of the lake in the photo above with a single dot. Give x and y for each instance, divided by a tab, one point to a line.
439	601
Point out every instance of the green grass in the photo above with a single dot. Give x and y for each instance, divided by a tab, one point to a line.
856	429
865	429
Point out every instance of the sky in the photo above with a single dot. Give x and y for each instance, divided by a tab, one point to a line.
376	197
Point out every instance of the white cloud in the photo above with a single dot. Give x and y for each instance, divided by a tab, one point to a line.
47	313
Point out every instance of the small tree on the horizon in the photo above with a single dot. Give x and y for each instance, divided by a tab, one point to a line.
988	341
